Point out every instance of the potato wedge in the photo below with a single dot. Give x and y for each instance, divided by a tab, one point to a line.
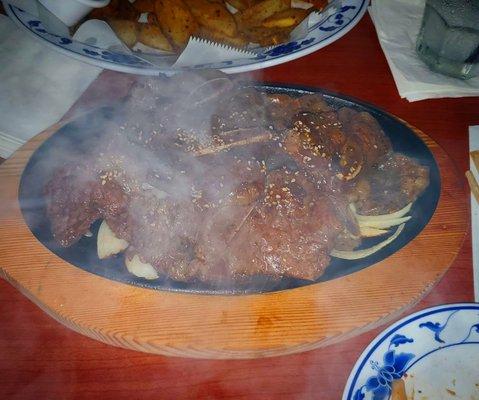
213	15
301	4
152	20
176	21
240	5
215	36
256	14
107	244
285	19
267	36
151	35
398	390
138	268
127	31
143	6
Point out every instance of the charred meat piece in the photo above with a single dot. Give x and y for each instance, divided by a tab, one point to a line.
76	198
314	143
243	109
290	233
342	144
363	126
162	232
389	185
281	108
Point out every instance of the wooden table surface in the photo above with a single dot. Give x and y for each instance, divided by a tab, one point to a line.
41	359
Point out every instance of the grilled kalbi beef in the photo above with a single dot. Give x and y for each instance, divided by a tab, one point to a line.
391	183
77	198
273	207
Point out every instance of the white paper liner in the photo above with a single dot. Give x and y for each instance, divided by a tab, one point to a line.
98	33
202	51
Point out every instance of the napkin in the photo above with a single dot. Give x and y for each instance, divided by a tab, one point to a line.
474	145
397	24
37	86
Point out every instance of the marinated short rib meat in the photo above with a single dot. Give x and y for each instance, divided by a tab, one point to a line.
289	233
163	232
314	142
393	182
196	208
362	125
76	198
240	110
334	145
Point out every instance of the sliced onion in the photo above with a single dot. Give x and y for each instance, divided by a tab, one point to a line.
368	231
387	223
138	268
107	244
357	254
397	214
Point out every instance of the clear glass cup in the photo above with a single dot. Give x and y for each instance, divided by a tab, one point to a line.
448	41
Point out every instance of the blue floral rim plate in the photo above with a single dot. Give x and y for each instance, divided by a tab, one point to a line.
320	35
434	351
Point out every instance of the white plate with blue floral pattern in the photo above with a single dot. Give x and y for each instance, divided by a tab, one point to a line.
435	351
319	35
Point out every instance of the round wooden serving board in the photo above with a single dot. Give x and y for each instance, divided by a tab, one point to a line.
219	326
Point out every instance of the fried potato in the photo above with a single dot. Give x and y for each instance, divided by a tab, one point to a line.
285	19
176	20
301	4
240	5
256	14
216	36
267	36
213	15
143	6
127	31
151	19
151	35
398	390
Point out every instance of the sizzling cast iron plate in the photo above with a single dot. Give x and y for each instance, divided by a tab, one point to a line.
83	254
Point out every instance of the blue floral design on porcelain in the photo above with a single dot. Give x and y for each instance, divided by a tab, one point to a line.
122	58
318	33
336	20
418	338
437	328
286	48
393	367
36	26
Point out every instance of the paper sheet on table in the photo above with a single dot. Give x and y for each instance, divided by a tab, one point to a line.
37	86
474	145
397	24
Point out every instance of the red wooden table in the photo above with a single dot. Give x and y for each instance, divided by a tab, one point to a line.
41	359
